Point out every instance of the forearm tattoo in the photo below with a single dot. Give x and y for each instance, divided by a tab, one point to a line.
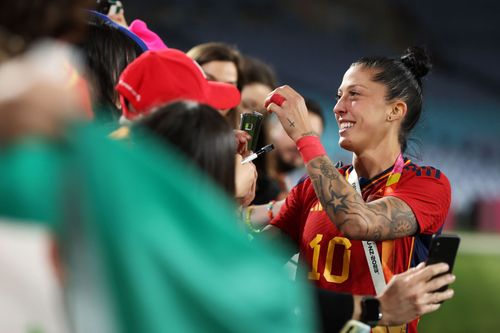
385	218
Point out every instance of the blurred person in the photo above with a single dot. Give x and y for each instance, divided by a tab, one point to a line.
222	63
29	23
107	50
393	206
257	81
33	21
219	61
35	100
117	275
202	135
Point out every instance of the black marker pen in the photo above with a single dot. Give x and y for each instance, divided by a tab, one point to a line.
261	151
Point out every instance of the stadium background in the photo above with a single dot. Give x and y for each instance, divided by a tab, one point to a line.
311	43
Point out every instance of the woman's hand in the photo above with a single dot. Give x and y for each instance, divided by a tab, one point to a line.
246	179
292	112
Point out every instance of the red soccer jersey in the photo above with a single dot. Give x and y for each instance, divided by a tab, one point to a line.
337	263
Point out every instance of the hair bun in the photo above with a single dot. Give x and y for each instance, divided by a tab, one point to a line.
417	61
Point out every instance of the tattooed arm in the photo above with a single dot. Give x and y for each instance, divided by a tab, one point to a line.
385	218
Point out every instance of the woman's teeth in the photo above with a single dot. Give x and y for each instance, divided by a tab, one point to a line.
346	125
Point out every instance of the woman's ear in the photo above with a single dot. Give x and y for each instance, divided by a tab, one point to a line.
398	111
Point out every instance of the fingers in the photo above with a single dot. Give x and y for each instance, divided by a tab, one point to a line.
242	138
438	297
430	271
429	308
275	98
279	97
434	301
439	282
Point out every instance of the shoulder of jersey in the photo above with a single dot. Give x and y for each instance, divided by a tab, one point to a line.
426	171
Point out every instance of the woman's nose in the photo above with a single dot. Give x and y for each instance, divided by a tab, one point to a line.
339	107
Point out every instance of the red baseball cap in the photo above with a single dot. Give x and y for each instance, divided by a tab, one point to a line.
161	77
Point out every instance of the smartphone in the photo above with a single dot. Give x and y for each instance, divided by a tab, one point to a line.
443	249
251	122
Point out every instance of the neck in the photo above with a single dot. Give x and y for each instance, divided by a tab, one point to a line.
370	163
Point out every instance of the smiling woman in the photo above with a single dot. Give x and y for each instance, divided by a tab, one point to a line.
357	226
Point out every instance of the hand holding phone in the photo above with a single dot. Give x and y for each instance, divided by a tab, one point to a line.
443	249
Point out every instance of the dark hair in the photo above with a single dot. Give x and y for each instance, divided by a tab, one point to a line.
255	71
202	134
315	108
208	52
107	52
403	79
32	20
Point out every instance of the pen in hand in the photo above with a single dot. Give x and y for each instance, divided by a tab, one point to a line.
259	152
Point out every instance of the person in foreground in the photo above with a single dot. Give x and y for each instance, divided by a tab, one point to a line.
357	226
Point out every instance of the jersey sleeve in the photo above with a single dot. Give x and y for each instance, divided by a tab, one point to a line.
290	217
428	193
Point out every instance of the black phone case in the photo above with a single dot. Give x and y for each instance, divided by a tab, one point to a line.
443	249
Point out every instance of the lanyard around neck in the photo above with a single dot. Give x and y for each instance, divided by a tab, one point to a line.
392	180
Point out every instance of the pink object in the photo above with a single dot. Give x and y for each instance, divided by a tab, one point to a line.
151	39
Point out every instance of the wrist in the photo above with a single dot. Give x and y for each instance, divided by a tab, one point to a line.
310	147
247	218
270	213
356	308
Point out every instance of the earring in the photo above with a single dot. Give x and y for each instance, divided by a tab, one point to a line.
389	118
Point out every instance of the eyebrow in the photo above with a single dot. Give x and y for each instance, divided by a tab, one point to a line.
355	85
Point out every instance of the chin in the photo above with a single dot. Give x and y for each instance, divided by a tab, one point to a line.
345	144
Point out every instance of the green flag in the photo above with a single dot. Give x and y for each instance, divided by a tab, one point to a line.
149	244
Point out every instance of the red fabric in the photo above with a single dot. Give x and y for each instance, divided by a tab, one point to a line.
310	147
276	99
426	190
160	77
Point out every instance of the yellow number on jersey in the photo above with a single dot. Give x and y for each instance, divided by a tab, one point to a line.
327	273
